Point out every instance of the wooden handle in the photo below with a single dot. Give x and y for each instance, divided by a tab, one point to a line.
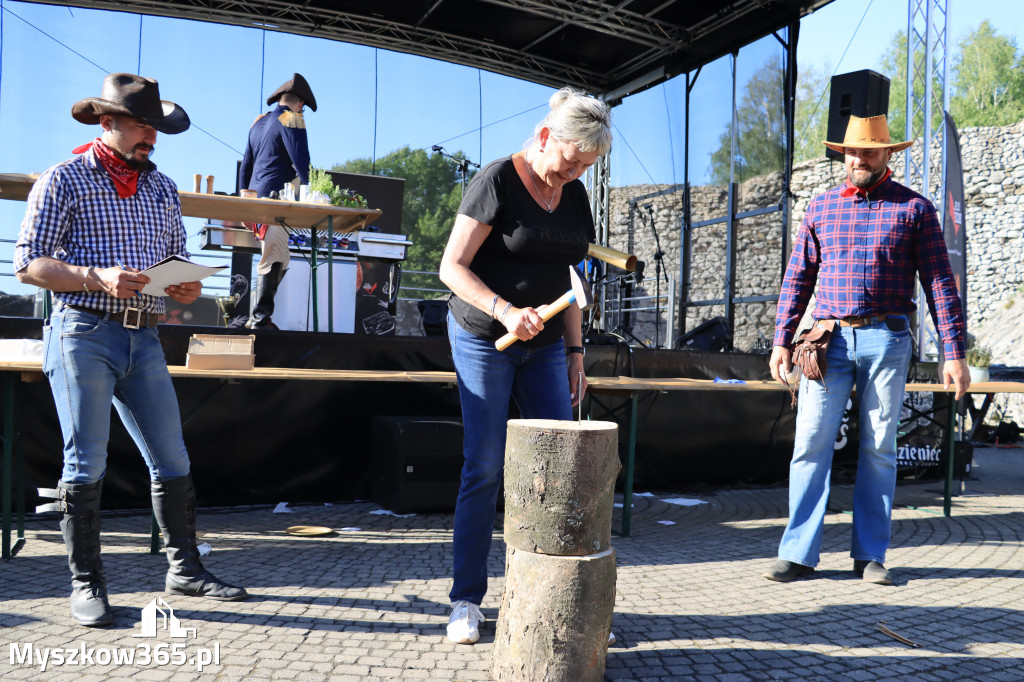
558	306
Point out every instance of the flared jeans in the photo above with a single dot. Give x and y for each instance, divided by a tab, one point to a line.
874	358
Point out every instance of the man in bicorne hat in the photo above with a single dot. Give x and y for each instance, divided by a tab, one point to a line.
92	224
862	242
277	152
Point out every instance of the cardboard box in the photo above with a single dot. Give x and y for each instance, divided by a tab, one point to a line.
217	351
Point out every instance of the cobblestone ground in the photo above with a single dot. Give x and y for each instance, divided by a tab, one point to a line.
370	601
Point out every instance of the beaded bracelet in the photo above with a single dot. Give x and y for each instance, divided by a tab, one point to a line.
494	302
507	306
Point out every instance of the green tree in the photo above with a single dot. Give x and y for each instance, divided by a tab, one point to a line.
812	100
760	126
433	191
988	80
894	66
986	84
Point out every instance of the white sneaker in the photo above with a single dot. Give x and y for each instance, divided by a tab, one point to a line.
464	623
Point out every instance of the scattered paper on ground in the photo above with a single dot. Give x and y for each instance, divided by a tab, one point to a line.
391	513
667	523
282	508
684	501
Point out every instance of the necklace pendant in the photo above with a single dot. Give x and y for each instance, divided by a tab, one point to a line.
549	210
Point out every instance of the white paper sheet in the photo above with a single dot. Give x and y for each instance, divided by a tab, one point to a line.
175	270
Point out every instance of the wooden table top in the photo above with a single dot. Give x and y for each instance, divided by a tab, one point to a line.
16	186
603	383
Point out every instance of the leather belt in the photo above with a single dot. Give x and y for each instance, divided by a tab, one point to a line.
129	318
861	321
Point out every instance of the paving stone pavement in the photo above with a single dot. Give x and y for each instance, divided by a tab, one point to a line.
369	603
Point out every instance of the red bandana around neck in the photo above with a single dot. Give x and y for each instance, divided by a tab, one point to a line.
850	189
126	178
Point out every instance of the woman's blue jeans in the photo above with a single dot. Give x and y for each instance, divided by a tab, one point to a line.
537	379
875	359
92	363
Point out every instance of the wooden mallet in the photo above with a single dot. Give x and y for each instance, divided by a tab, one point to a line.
580	294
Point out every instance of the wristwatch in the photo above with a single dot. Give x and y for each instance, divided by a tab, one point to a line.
575	349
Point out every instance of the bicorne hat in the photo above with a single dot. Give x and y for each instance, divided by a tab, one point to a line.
125	94
868	133
297	86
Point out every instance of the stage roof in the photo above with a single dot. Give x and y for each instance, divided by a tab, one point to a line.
607	48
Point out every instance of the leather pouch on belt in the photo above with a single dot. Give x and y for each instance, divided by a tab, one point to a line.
810	350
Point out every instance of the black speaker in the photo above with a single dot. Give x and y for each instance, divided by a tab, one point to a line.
417	463
713	335
860	93
434	316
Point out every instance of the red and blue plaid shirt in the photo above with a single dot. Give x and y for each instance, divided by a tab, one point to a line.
867	247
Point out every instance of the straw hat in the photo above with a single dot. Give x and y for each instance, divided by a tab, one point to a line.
125	94
868	133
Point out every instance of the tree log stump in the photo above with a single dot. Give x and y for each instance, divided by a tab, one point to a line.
556	613
560	485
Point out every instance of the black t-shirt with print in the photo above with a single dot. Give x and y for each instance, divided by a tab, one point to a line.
526	256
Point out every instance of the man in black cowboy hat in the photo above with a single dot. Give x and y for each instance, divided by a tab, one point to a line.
92	224
277	152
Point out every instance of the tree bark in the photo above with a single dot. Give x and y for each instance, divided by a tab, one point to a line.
556	613
560	485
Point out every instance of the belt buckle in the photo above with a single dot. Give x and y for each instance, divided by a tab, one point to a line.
138	318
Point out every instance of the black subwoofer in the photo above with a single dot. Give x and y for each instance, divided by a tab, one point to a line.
417	463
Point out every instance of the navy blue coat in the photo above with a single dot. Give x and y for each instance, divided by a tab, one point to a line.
277	151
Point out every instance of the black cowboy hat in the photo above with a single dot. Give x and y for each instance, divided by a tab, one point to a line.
297	86
125	94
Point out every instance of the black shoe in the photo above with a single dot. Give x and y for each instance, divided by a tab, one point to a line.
783	571
204	585
174	505
80	526
89	605
872	572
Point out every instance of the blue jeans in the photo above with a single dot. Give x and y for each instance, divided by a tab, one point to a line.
92	363
538	380
875	359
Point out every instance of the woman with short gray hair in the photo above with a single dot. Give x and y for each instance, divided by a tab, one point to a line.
524	220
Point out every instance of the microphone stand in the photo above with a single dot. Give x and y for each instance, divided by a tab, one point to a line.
462	165
658	255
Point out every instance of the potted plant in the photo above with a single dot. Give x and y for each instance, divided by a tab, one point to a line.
978	359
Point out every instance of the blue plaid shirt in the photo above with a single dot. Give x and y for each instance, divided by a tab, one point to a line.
867	250
75	215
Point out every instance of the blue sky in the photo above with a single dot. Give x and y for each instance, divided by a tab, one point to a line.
370	101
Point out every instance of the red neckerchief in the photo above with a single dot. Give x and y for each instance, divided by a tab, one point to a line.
126	178
850	189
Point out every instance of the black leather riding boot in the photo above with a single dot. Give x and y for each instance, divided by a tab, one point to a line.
174	505
266	290
80	527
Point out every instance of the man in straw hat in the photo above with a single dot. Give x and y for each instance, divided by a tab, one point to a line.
91	225
867	238
277	152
